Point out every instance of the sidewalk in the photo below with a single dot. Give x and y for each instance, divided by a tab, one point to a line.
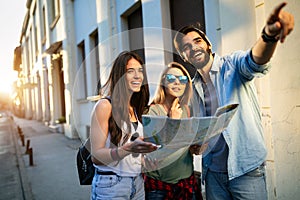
53	175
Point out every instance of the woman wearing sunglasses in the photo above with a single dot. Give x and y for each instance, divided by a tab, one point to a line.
176	180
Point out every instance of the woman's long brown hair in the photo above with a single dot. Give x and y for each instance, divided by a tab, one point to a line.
120	94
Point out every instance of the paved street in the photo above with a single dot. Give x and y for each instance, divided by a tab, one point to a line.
10	184
53	175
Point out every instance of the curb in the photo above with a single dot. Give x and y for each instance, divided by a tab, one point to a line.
25	184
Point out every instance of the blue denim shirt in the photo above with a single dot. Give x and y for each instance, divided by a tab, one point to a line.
233	77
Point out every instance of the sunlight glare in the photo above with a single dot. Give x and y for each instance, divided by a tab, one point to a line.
6	81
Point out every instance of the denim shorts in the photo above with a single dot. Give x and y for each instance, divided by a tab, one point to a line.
117	187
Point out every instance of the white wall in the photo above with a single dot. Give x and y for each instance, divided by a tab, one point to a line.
85	18
230	24
85	23
285	108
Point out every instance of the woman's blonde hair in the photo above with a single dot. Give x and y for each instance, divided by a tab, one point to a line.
160	94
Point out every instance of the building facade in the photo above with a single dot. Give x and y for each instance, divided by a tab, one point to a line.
68	46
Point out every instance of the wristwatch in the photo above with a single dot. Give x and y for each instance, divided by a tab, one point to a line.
268	39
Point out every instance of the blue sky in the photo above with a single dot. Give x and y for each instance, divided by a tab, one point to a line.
12	13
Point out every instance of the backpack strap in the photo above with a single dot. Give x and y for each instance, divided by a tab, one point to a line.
108	98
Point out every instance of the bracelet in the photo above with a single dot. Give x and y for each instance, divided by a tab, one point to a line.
268	39
117	149
114	154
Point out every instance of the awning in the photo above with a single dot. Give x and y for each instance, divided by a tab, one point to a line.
53	47
17	58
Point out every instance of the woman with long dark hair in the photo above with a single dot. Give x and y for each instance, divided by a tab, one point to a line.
116	131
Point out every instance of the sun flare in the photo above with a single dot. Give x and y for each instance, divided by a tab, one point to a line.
6	81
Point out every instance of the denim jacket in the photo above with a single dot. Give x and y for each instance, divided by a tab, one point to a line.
233	77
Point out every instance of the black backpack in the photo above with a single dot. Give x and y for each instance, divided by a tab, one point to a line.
85	167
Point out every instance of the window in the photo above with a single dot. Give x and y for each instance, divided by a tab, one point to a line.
36	43
32	45
27	70
43	34
94	52
193	12
55	12
82	76
136	38
35	32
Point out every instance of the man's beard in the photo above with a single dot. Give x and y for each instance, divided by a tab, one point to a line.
199	64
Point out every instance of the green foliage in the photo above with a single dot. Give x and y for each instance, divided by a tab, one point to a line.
60	120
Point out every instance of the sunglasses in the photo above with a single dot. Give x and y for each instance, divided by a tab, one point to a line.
171	78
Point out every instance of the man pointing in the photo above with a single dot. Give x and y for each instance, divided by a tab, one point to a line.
235	166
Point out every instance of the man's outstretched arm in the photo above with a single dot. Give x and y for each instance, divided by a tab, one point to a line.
279	24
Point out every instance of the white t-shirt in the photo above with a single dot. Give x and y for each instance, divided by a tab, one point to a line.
129	165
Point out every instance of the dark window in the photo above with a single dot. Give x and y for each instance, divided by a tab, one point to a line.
82	70
136	35
44	27
94	52
184	13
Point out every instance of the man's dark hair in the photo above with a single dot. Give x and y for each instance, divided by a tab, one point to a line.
185	30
